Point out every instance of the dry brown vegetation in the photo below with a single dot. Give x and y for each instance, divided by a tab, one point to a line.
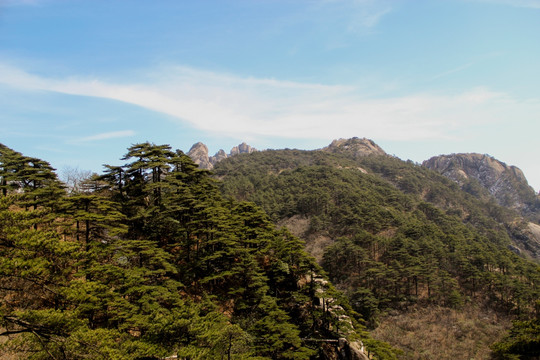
442	333
315	242
7	354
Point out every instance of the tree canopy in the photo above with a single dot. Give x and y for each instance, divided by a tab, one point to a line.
392	235
147	261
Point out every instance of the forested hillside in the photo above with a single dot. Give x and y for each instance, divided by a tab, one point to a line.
397	238
149	261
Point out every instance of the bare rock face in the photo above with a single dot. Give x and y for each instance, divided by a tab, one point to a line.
346	349
243	148
220	155
355	146
199	154
530	243
507	184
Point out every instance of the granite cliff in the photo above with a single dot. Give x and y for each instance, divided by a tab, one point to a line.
507	184
486	177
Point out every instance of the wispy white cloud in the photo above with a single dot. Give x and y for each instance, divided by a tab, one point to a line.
251	107
107	135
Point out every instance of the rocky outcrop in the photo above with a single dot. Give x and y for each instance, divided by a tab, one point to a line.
199	154
526	237
243	148
342	348
355	146
507	184
220	155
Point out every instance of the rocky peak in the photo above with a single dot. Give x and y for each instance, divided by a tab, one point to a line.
358	147
243	148
220	155
199	154
507	184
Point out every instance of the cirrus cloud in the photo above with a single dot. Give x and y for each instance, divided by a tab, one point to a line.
252	107
107	135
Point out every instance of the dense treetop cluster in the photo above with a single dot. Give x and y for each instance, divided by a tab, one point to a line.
155	258
147	261
402	236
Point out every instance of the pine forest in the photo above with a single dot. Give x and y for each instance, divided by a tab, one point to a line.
281	254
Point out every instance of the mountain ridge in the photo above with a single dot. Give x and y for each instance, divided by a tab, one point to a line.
480	175
397	237
200	156
506	183
357	147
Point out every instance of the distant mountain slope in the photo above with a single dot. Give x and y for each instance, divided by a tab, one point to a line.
488	178
481	176
391	234
507	184
355	147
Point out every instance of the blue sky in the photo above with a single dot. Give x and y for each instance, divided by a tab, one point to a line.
80	81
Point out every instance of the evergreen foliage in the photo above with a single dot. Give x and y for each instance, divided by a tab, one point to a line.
522	343
402	235
148	261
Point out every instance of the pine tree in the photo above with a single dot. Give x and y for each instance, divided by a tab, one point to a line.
33	180
36	266
274	335
149	260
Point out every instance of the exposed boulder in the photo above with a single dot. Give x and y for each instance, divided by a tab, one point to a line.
527	240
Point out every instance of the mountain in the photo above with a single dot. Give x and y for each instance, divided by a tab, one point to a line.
479	175
157	259
199	154
400	240
507	184
355	147
488	178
